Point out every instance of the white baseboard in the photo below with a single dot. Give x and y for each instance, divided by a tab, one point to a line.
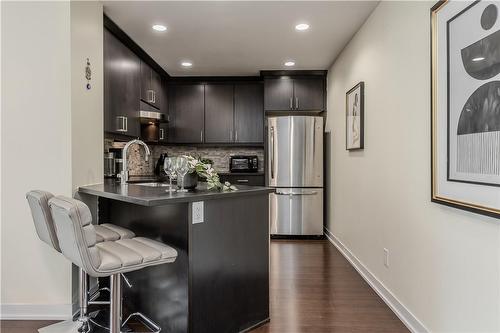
35	311
410	321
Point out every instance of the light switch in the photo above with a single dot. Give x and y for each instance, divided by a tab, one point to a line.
197	212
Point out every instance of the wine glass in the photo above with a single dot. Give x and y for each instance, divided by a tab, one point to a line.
182	168
169	167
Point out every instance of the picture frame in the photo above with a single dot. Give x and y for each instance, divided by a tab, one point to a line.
355	115
465	106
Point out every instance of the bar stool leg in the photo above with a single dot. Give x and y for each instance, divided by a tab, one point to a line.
115	313
83	318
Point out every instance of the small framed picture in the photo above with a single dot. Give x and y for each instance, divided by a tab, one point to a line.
355	114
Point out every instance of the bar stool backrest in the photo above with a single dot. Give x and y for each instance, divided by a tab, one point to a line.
76	234
42	218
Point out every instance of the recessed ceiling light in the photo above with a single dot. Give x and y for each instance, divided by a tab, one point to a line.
289	63
186	64
302	26
159	27
478	59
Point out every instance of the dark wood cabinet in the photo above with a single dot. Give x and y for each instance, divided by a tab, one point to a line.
294	93
309	94
248	113
219	113
186	110
151	87
121	87
278	94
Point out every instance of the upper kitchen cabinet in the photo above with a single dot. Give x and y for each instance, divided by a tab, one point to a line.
289	91
121	87
278	94
248	113
219	113
151	87
186	110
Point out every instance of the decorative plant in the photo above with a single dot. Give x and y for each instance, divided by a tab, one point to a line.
206	171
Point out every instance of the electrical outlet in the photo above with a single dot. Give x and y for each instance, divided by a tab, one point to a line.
386	257
197	212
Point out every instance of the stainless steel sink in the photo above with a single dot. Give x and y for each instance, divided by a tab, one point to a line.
153	184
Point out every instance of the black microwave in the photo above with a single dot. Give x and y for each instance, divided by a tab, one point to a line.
244	163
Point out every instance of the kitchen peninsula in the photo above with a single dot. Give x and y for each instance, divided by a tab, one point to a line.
220	280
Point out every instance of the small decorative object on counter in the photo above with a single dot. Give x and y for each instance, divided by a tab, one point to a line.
206	171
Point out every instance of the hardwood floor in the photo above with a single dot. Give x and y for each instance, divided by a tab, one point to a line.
313	290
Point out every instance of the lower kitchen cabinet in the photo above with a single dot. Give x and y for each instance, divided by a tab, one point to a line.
243	179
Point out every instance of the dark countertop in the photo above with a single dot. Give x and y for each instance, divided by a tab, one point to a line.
157	196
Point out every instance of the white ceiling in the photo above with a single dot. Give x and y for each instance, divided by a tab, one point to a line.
240	37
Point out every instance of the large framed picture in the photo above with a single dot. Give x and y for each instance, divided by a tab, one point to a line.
355	112
466	105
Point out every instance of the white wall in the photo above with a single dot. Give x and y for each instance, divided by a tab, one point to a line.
444	262
51	136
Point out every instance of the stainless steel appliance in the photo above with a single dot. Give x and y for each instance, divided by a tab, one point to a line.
295	169
244	163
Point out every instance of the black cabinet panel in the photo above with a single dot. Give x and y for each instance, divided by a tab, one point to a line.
151	91
248	113
252	180
309	94
278	94
186	109
121	87
219	113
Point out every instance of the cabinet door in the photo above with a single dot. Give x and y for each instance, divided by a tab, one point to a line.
157	89
248	113
278	94
219	113
309	94
121	87
146	88
186	107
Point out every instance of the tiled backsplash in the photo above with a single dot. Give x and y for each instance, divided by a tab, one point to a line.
219	155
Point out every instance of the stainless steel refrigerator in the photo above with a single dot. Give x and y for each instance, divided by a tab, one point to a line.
295	169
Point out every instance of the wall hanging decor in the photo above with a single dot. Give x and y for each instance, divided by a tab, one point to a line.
355	105
466	105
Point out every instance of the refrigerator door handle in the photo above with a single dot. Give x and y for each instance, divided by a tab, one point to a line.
272	152
296	193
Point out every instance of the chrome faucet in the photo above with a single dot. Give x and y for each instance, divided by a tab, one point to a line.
124	173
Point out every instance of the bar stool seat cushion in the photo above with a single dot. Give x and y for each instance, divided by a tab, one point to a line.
110	232
78	242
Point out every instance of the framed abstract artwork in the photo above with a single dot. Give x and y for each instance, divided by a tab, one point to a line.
355	104
466	105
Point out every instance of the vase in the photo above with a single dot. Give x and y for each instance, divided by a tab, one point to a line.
190	180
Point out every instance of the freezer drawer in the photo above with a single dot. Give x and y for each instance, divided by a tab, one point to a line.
296	211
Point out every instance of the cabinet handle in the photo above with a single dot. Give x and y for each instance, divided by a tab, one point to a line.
291	103
201	136
126	124
151	96
230	135
242	180
296	103
154	96
161	134
235	135
121	124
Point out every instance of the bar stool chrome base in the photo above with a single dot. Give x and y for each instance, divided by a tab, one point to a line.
67	326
